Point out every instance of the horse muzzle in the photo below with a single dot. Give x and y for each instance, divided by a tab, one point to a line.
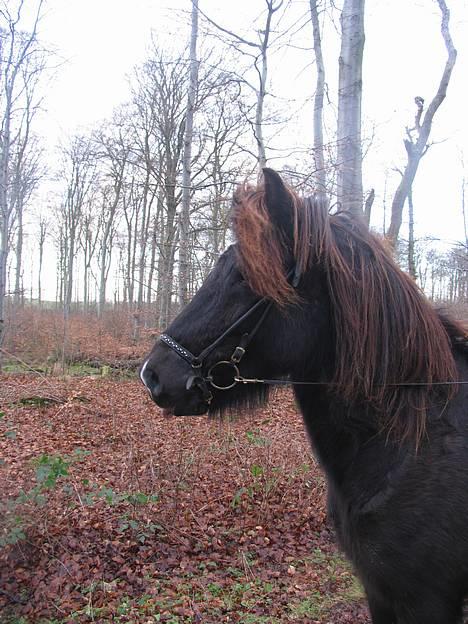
191	398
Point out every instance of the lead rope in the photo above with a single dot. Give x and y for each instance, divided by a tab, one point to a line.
290	382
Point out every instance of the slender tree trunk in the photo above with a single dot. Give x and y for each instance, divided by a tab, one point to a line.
184	251
411	258
154	247
145	221
3	280
319	157
4	210
19	258
39	274
465	230
102	280
131	288
69	275
349	179
263	76
85	278
368	206
105	254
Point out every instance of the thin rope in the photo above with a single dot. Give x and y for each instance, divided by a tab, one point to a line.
291	382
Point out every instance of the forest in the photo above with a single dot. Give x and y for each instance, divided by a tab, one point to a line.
108	510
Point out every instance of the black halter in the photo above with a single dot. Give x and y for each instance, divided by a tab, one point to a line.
197	362
223	366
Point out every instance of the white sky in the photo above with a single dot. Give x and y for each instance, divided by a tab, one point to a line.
102	40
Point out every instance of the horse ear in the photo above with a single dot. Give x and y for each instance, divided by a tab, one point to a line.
278	202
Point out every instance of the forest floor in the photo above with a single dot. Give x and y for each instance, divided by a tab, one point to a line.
111	512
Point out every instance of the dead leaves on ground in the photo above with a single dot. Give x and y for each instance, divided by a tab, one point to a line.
161	520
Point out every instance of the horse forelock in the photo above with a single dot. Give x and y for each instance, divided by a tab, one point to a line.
387	334
261	248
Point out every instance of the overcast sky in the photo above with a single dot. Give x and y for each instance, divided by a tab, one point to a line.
101	41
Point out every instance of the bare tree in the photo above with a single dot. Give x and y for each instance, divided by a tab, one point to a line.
25	176
416	142
223	163
258	52
21	62
113	151
79	172
43	230
160	101
88	238
319	156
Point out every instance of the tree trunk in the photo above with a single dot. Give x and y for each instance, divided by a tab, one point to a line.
262	76
349	179
154	247
319	158
411	258
4	210
42	235
465	230
145	221
69	274
184	251
19	300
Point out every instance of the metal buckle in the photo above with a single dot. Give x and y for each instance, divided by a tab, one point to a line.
235	375
238	354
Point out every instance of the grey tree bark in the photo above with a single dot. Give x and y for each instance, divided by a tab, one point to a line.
319	157
184	227
349	153
411	249
43	229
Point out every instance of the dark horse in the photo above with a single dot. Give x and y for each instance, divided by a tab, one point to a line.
312	297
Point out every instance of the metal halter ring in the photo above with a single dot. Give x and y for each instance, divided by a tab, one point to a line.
235	375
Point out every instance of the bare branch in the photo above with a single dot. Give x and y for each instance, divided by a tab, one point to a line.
417	147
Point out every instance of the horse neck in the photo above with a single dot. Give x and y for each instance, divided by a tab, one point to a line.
344	437
337	434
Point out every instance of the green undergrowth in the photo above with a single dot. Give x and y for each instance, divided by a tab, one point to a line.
52	474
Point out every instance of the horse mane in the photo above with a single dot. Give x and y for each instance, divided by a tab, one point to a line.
387	334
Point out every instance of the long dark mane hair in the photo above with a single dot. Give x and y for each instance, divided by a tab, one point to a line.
387	333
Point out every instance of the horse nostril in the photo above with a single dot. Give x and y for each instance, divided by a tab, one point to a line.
149	377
